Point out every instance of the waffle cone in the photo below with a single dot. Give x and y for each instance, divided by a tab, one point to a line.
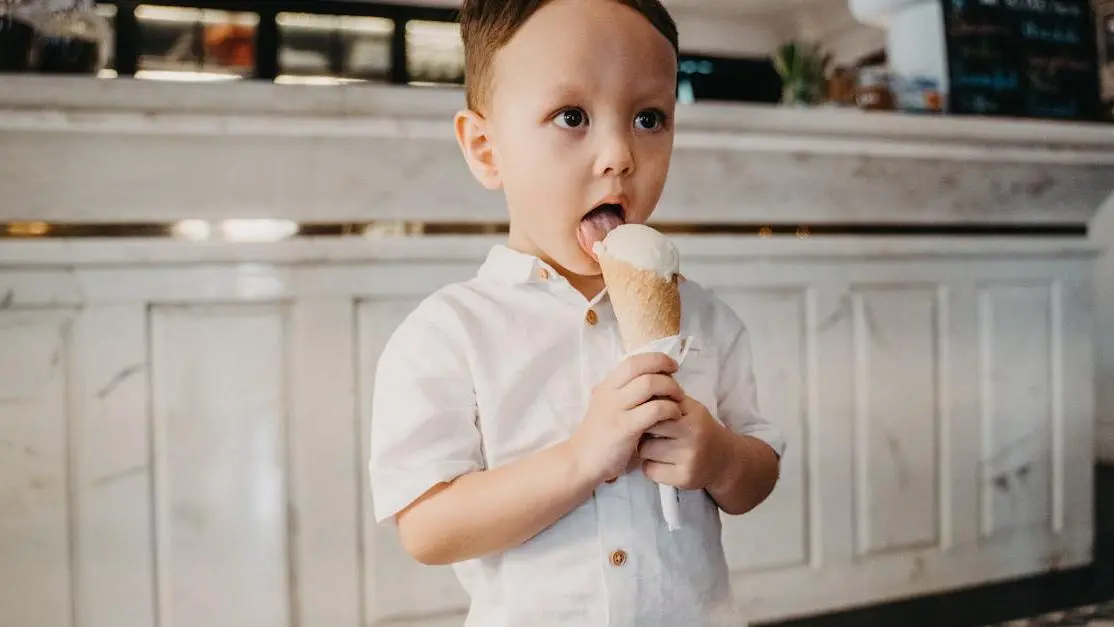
647	306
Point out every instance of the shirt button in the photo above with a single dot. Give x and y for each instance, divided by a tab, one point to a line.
543	274
618	558
592	317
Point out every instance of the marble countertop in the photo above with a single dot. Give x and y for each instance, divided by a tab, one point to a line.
253	108
122	151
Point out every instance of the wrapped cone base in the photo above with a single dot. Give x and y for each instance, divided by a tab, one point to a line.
647	306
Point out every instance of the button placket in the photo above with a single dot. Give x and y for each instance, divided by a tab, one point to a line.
618	558
617	537
614	516
616	525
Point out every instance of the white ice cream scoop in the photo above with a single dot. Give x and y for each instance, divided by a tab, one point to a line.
642	247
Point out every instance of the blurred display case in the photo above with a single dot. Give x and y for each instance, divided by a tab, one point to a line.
1104	20
434	53
185	43
311	42
1108	38
107	12
53	36
328	49
316	42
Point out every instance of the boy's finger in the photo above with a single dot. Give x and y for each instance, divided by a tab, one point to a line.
640	364
649	414
661	450
666	474
672	429
649	386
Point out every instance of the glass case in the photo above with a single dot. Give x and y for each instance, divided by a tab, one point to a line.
329	49
108	13
434	53
183	43
307	42
1108	38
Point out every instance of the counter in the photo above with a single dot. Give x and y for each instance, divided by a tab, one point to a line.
185	419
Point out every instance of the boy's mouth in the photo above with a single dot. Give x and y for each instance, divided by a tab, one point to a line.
597	223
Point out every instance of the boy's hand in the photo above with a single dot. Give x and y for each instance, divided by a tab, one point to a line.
638	394
689	452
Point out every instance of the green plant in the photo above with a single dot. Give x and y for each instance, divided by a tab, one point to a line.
803	68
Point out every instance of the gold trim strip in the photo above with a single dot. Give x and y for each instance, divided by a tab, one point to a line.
282	229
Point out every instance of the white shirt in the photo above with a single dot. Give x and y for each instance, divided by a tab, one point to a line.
490	370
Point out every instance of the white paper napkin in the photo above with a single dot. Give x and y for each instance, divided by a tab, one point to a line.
676	346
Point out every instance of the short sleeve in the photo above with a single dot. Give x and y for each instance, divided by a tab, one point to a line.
737	391
423	411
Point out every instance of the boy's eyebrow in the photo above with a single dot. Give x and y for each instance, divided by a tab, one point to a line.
664	86
658	90
564	91
648	90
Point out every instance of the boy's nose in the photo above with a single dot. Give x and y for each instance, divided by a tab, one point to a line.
615	157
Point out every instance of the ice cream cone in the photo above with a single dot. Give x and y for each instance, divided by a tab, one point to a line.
640	269
647	305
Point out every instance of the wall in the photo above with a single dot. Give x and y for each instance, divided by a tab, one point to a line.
1103	232
1102	229
756	36
846	37
728	35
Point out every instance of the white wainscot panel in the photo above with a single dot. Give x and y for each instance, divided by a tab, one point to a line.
776	534
114	554
35	533
1015	333
220	499
325	473
895	339
398	589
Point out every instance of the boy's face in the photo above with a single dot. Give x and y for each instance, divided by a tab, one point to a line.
579	113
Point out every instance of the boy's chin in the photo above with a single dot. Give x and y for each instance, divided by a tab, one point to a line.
584	263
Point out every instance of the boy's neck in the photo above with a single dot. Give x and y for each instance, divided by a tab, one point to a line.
588	286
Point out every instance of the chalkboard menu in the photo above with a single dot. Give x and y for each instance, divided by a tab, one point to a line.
1026	58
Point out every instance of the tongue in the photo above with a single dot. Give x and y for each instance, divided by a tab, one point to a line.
594	227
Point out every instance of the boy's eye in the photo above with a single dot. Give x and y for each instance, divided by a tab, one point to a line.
571	118
649	120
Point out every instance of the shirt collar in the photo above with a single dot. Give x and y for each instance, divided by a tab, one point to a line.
507	265
512	267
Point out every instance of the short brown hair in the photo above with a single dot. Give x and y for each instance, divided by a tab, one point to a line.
487	25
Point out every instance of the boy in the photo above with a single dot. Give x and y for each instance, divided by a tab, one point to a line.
510	438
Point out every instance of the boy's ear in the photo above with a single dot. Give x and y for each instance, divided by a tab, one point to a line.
479	151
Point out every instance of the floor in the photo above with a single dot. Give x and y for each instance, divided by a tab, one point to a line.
1079	597
1101	615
